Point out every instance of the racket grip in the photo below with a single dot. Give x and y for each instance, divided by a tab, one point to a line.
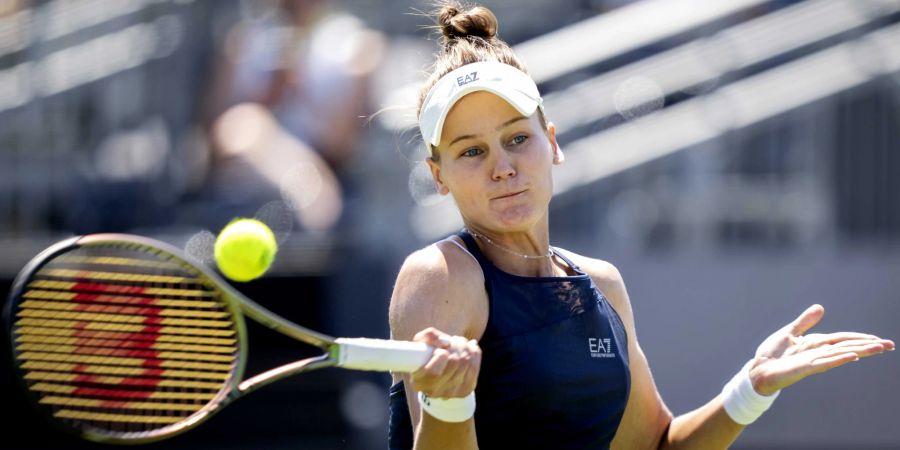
382	355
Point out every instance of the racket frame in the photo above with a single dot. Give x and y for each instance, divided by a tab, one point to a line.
234	302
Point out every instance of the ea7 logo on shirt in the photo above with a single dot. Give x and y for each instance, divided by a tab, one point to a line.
462	81
600	348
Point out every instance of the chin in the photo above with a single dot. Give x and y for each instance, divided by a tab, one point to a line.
517	220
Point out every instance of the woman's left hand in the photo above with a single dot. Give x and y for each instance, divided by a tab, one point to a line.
788	356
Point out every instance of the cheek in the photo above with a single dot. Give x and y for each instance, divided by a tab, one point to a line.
462	186
466	193
540	159
541	170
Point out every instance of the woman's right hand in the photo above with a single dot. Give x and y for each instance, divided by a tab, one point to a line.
453	368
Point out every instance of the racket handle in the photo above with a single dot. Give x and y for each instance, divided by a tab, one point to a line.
382	355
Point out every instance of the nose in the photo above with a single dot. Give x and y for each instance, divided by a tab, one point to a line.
503	166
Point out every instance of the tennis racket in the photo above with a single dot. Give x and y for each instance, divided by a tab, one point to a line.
122	339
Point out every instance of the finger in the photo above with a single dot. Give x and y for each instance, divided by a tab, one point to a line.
474	367
453	376
864	343
824	364
475	351
882	344
434	368
463	380
427	378
468	381
835	339
459	344
806	320
861	350
831	338
433	337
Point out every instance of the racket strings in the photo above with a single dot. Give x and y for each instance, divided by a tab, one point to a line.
123	340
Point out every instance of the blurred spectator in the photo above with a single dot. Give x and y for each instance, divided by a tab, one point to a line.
309	66
259	160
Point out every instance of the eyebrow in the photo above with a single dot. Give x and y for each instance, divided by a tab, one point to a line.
502	126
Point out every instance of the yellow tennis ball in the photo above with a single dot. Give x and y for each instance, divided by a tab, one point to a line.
245	249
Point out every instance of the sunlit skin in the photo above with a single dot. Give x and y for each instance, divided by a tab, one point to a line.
497	164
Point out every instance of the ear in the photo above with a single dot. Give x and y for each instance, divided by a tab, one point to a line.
558	156
436	174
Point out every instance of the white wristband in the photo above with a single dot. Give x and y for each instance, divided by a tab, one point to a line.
742	403
449	409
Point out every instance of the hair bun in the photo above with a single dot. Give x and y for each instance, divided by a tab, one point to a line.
457	24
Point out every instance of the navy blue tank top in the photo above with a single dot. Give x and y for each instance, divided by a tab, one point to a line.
554	369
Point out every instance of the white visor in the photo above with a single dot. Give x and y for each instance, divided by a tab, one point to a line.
503	80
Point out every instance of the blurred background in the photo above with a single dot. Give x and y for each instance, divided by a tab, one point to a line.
738	160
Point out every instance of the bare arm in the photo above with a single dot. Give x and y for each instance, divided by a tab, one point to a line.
646	417
647	423
782	359
435	291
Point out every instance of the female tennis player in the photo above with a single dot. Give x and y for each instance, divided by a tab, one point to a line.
548	336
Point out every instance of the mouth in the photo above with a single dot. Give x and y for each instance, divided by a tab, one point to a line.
509	195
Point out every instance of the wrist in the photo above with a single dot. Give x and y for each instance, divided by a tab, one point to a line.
759	381
452	410
743	403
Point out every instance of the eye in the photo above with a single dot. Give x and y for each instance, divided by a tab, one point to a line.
474	151
519	139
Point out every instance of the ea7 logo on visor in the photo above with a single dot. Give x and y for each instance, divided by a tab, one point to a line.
462	81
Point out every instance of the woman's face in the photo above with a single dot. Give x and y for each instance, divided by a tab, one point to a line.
496	163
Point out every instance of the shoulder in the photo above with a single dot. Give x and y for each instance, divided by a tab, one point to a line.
437	268
440	286
605	275
609	280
